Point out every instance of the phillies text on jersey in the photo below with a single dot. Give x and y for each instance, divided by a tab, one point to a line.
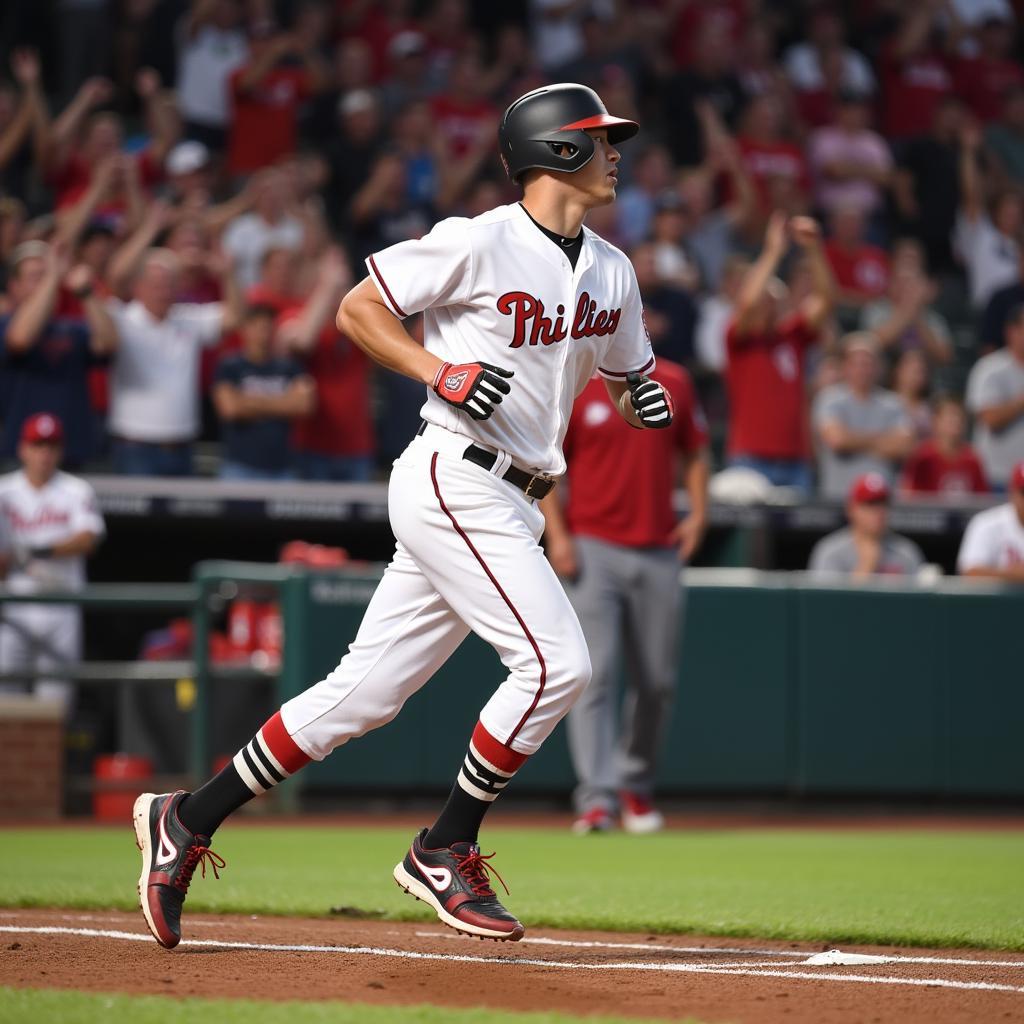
494	289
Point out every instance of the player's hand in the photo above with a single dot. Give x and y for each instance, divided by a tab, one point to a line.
651	402
476	388
688	535
562	556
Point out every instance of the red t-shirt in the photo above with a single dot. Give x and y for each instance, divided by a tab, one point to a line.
767	160
765	381
71	180
728	16
864	271
620	478
982	83
460	124
928	471
341	423
264	118
910	90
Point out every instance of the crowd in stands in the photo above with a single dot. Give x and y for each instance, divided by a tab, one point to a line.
824	210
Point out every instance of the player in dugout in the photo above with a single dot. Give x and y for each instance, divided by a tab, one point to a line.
521	306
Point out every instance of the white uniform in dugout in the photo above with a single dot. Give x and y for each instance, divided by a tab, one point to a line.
493	289
43	636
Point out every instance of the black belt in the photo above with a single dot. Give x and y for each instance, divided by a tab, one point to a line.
533	485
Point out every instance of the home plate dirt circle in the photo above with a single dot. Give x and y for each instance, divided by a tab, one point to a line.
385	962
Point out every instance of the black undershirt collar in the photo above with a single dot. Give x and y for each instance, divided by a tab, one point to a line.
572	247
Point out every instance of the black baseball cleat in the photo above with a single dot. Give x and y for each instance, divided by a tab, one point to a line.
456	883
170	854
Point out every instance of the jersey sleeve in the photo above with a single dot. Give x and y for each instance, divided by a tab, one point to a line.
977	549
435	270
85	513
630	350
205	318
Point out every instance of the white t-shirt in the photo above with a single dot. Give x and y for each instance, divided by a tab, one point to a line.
994	539
41	517
248	237
205	62
154	383
803	68
709	339
495	289
995	379
992	260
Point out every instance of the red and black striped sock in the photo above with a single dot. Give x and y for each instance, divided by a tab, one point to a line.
486	771
267	759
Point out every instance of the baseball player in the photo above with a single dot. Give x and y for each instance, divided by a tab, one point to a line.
993	544
49	525
521	306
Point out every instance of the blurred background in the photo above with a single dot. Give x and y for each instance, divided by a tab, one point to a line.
161	156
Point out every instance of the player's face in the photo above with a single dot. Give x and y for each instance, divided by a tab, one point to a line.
40	459
869	517
598	178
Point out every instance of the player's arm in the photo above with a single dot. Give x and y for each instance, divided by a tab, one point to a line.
474	388
690	530
82	543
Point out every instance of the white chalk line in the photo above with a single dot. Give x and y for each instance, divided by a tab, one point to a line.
408	954
730	950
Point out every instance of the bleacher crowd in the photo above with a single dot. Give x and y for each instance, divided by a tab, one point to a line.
188	189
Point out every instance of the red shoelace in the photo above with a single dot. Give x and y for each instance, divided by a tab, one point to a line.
476	871
197	855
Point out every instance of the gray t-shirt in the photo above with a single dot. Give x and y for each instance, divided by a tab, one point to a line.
995	379
879	412
837	553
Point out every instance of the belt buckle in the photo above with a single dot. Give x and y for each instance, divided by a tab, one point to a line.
543	478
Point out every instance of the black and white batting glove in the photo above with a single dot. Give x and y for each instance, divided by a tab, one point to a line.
650	400
476	388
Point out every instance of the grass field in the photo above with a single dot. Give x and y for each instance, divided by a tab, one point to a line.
909	887
27	1006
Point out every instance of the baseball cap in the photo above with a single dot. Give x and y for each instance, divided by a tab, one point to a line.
869	487
1017	477
44	426
358	101
187	157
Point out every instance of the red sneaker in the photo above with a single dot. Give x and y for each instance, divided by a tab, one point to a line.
597	819
639	815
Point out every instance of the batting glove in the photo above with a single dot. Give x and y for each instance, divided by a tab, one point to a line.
476	388
650	400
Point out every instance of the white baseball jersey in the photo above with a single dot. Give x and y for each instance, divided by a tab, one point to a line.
494	289
994	539
51	514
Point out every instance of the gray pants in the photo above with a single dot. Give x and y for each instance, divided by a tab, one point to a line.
629	603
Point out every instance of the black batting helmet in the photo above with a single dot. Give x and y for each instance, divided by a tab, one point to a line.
537	125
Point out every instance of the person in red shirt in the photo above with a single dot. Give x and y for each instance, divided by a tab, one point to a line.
915	74
984	80
462	116
945	464
266	94
767	345
84	139
617	544
767	154
861	270
336	442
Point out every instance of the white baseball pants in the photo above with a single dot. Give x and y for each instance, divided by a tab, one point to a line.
468	558
41	639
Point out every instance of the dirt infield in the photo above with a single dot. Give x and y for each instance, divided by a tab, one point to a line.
716	980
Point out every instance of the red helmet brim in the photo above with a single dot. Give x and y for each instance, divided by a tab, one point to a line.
626	129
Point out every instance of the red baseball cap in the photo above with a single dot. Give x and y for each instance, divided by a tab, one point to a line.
44	426
869	487
1017	477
